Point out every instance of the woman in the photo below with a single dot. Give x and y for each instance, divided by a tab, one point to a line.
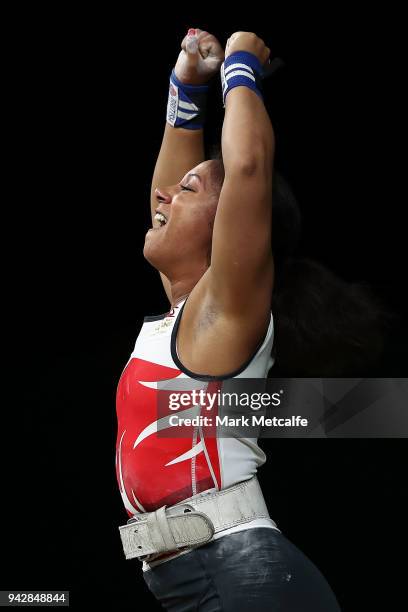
211	242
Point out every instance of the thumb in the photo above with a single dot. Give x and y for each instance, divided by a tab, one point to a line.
191	42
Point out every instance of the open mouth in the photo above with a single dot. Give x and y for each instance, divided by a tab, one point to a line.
160	219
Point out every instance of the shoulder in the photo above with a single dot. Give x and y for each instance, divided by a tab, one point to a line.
211	340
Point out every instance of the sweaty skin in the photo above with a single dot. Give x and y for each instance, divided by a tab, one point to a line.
215	245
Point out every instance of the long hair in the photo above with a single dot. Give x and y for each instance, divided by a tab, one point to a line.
324	326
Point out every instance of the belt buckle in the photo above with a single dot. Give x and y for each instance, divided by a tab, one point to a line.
178	511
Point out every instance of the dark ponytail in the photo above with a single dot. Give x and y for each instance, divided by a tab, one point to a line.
324	326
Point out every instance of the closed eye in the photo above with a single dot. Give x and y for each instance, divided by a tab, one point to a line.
185	188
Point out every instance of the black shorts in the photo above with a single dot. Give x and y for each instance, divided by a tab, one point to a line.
254	570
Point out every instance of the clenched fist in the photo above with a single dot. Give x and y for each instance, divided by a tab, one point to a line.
200	58
250	42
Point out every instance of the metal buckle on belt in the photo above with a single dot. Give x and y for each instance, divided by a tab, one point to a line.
165	530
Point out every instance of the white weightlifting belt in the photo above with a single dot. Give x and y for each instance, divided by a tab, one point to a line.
193	521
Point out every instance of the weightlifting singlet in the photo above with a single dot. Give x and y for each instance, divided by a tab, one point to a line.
153	470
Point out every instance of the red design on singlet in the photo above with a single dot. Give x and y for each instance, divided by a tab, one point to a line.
146	480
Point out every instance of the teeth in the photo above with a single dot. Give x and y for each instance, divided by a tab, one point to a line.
160	218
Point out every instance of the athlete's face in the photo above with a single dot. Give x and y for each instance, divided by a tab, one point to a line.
182	229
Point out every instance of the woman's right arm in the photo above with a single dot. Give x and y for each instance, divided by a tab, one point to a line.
182	148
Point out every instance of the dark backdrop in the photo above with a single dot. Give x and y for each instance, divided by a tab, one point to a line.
89	94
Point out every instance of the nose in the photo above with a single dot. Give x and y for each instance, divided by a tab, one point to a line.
162	196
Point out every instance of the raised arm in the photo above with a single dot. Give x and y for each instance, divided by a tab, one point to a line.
241	276
182	148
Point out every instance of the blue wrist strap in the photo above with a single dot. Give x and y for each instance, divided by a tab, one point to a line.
241	69
186	104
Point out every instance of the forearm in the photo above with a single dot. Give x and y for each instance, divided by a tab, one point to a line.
181	150
248	141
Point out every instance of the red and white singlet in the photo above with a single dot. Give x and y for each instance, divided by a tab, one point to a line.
153	471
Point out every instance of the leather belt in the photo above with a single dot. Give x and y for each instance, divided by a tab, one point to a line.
192	522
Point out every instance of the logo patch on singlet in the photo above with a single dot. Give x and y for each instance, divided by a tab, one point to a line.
162	327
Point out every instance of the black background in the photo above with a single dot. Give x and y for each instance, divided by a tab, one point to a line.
88	94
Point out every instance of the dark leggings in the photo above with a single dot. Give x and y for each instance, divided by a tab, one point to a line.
255	570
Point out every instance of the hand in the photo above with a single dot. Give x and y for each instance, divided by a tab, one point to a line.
200	58
250	42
